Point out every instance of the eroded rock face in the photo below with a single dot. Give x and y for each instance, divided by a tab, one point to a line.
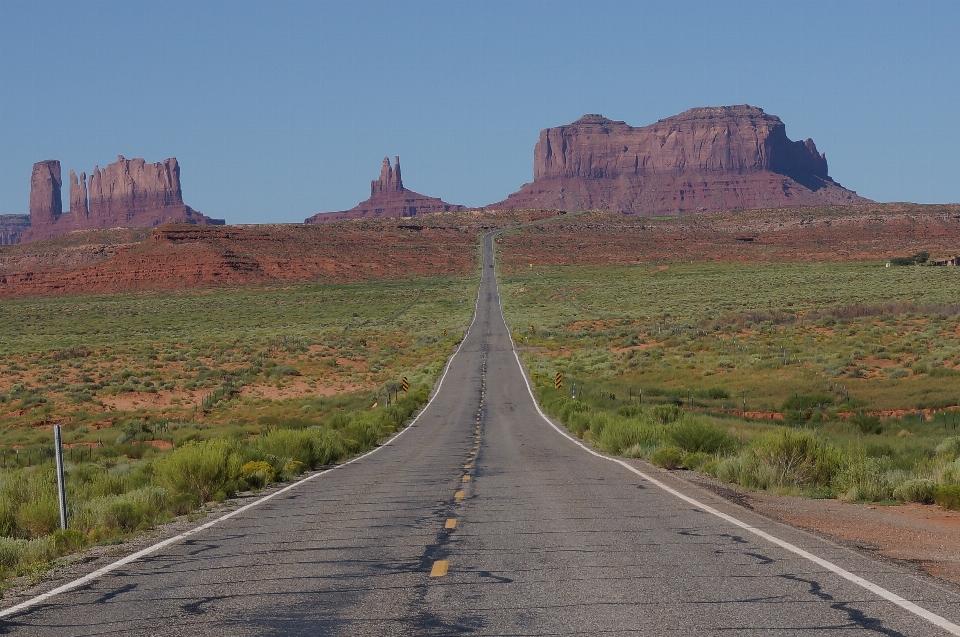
704	159
130	187
46	204
12	228
78	196
388	198
127	193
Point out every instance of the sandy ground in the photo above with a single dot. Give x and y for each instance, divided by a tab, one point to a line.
924	535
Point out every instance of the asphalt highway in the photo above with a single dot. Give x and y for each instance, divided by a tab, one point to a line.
482	518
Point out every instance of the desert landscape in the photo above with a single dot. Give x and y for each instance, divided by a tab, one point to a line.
702	283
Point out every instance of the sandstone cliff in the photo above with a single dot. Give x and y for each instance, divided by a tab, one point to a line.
12	228
704	159
388	198
127	193
45	198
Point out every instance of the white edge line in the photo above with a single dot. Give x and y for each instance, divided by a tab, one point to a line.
153	548
933	618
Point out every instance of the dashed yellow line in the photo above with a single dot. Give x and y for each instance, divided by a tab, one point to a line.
451	523
466	478
459	496
440	568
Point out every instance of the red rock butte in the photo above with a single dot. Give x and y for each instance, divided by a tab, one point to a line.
129	193
388	198
704	159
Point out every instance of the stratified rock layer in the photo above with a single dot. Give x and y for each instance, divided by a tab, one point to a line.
705	159
127	193
388	198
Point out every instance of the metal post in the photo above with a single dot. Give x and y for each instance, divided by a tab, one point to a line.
61	487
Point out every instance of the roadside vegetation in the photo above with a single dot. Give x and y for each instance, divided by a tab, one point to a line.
825	380
171	401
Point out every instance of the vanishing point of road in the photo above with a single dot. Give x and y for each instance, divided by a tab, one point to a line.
483	518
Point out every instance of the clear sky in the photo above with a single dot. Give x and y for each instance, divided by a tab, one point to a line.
278	110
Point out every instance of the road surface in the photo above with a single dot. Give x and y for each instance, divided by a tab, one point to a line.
483	519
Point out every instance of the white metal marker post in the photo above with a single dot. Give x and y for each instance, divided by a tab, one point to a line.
61	487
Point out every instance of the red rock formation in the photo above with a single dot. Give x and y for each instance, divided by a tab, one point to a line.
78	196
12	228
705	159
128	193
45	198
388	198
131	187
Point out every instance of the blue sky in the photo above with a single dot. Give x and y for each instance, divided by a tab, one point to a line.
278	110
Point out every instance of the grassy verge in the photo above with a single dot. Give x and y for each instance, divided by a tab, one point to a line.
827	380
170	401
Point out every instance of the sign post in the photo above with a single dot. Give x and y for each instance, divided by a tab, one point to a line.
61	487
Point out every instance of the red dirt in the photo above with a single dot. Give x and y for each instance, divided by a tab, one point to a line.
837	233
179	256
185	256
925	535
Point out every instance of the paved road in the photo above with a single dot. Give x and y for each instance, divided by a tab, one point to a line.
548	540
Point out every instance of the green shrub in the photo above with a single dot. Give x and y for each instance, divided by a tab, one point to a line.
718	393
182	503
667	458
295	444
666	414
621	434
17	554
868	479
38	517
68	540
629	411
694	436
694	461
327	445
257	473
798	458
200	468
949	447
284	370
948	496
866	423
917	490
950	473
807	401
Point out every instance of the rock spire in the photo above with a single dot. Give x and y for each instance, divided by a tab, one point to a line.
388	198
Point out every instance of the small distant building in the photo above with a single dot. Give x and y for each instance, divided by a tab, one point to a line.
948	261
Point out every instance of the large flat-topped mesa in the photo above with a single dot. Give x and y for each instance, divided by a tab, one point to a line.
704	159
127	193
388	198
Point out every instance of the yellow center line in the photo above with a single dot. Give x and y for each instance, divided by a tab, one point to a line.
466	466
459	496
451	523
440	568
466	478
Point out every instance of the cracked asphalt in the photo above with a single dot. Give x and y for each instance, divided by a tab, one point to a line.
482	519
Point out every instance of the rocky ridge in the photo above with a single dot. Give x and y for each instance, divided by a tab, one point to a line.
388	198
126	193
704	159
